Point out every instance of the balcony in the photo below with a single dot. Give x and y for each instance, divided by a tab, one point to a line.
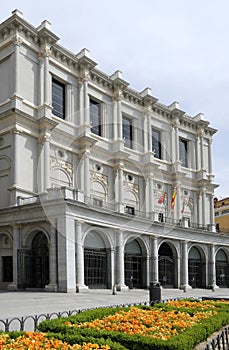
94	203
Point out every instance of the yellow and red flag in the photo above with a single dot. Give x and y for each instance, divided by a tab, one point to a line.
173	198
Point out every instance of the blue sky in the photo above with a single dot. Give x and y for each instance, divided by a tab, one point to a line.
180	49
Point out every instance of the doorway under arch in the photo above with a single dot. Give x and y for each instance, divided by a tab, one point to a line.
95	261
166	266
40	261
221	269
195	268
133	264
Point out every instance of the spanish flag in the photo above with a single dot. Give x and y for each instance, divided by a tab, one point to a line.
173	198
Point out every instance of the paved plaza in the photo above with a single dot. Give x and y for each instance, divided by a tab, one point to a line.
20	304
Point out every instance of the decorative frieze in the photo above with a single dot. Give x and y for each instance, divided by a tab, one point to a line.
61	163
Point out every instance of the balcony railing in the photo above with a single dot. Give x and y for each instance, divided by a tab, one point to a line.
74	195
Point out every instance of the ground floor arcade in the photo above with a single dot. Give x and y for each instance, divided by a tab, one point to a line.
71	255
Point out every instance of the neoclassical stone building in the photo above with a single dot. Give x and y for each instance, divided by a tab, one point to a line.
101	185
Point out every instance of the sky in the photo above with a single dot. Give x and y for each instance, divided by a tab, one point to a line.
180	49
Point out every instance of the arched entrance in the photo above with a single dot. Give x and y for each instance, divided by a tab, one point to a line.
40	261
6	260
195	275
95	261
221	269
166	266
133	264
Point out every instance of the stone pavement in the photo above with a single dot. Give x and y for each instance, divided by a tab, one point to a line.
18	304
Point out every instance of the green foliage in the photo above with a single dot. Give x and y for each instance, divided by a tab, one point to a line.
122	341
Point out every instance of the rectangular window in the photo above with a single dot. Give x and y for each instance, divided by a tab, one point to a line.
58	98
183	152
127	131
156	143
161	217
95	117
130	210
97	202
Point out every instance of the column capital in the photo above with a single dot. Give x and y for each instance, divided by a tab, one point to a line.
17	40
44	138
176	123
118	95
85	154
79	222
16	130
45	51
200	132
119	166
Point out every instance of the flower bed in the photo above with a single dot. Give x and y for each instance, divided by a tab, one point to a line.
35	341
177	325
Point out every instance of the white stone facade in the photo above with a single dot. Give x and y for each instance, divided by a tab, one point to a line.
88	170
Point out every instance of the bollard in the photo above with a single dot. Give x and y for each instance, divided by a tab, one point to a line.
114	290
155	292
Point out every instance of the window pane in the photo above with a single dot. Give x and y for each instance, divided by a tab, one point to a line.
58	98
156	143
95	117
183	147
127	131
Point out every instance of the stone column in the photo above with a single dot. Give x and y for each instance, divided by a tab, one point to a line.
210	156
66	254
178	261
145	133
85	175
52	286
115	119
120	277
154	274
212	214
204	207
147	276
149	197
175	141
86	101
17	43
119	188
46	53
212	268
200	207
41	80
201	150
119	116
81	101
80	286
186	285
16	245
69	113
177	202
198	156
47	162
15	166
112	262
16	157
